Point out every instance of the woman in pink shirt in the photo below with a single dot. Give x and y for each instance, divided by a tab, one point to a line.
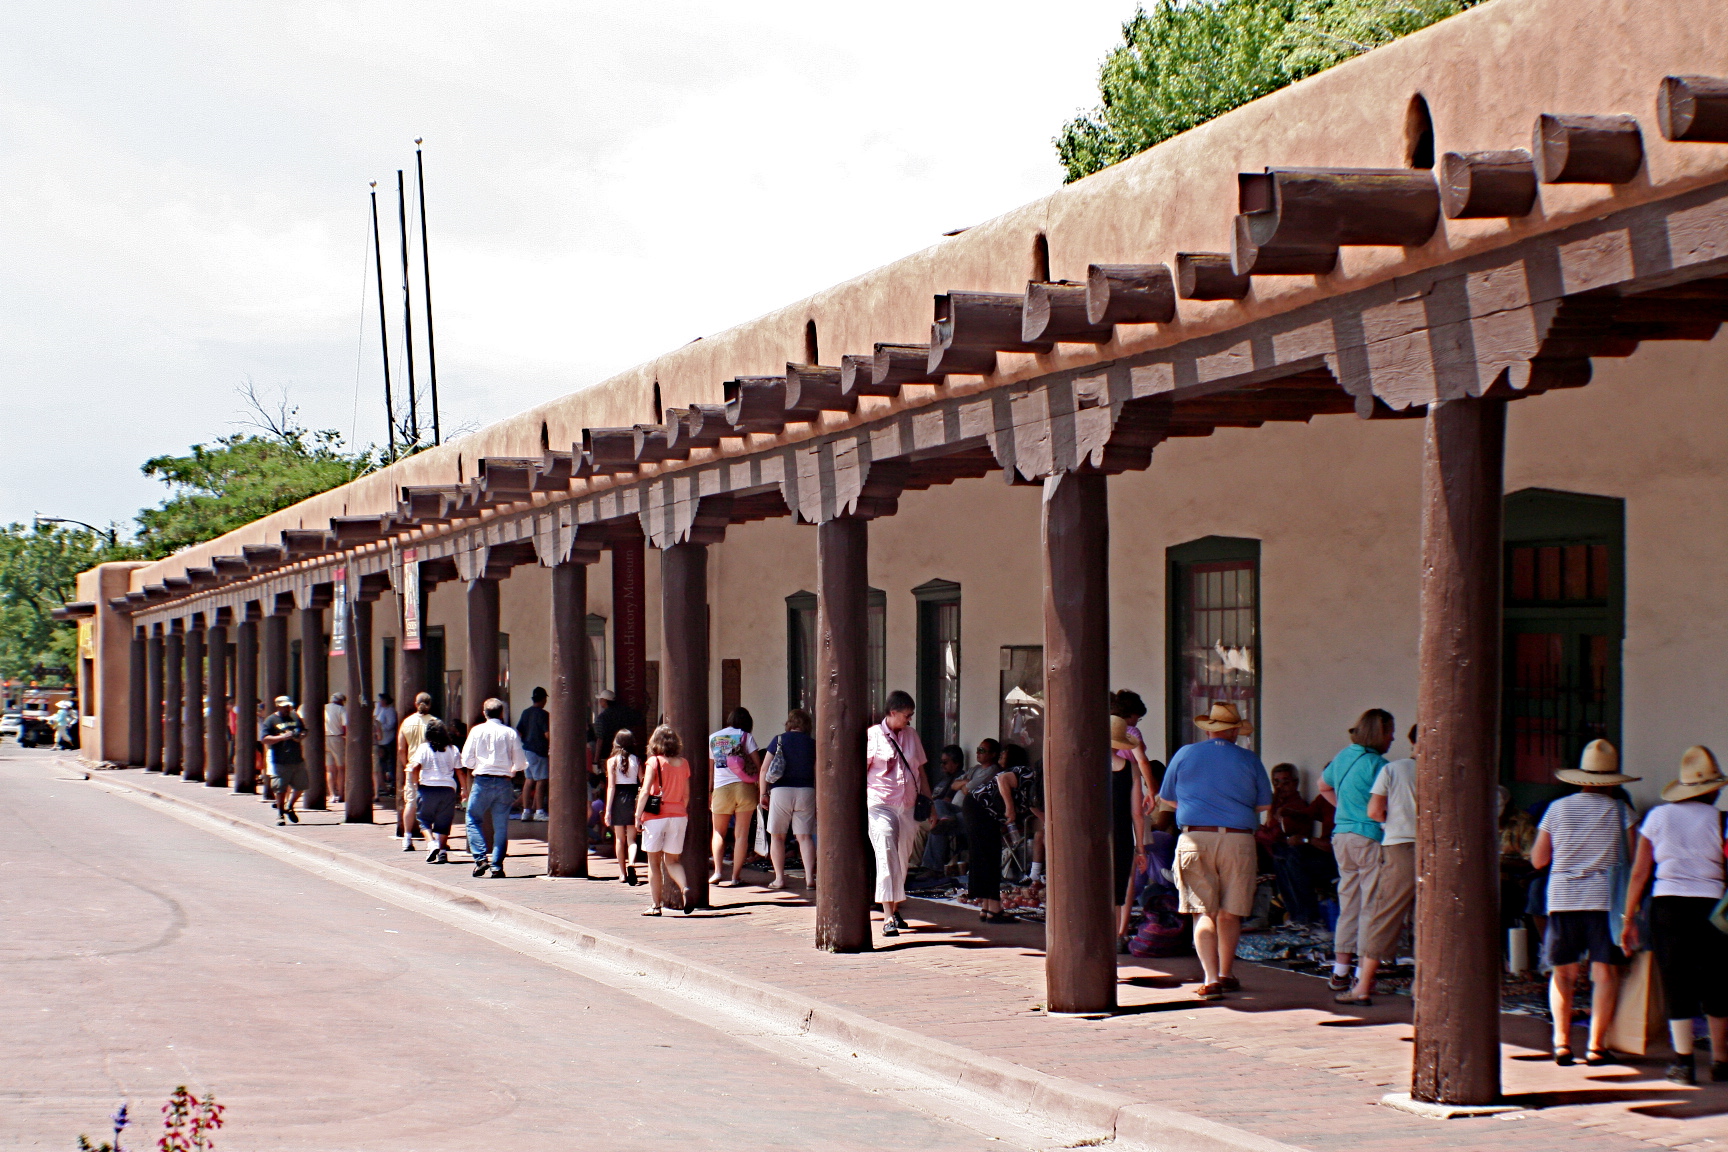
895	781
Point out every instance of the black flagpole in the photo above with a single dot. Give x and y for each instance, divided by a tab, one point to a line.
413	436
383	329
426	285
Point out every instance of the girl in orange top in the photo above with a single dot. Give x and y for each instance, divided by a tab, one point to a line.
666	776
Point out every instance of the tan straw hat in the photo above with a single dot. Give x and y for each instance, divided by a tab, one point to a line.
1699	774
1599	767
1120	741
1222	718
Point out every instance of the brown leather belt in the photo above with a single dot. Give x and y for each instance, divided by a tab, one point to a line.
1214	828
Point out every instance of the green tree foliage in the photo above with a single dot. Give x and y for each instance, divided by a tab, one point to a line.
38	573
1184	62
222	486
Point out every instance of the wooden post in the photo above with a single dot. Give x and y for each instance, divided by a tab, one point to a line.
357	793
137	709
684	639
246	707
173	702
630	625
567	784
1457	1053
314	691
1080	931
480	669
153	694
216	710
192	712
275	679
842	715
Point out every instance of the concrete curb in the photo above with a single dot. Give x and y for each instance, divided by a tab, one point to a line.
1130	1123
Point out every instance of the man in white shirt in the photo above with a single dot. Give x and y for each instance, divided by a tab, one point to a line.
336	744
1392	802
492	755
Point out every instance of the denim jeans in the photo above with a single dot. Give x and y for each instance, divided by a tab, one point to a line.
490	794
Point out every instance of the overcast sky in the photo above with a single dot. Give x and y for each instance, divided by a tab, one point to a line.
183	194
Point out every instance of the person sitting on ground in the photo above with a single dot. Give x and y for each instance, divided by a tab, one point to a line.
1680	842
281	735
492	755
435	770
662	812
534	727
735	761
945	827
1391	802
1297	837
789	802
623	780
336	744
1355	836
410	734
894	779
1219	791
1585	837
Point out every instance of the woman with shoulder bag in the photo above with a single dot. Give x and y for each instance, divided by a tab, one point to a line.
623	782
988	808
894	784
789	797
662	811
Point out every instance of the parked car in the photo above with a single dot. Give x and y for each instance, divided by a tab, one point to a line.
12	724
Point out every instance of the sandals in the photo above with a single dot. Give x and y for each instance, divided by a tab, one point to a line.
999	918
776	885
654	911
1210	992
1350	997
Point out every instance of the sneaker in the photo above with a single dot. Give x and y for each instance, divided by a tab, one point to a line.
900	922
889	928
407	844
497	873
1339	983
432	856
293	816
480	867
516	816
443	856
540	815
280	820
1684	1070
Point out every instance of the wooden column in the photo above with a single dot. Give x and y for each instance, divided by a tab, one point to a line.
480	666
1457	1053
153	693
315	690
1080	930
842	715
630	623
275	676
216	710
173	702
567	802
192	712
246	707
137	706
357	794
684	640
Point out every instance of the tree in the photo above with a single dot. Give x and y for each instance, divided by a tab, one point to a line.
1185	62
241	477
38	573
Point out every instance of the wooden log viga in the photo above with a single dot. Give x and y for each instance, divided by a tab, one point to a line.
1130	294
699	426
897	364
1487	185
611	450
555	471
757	404
812	389
1587	149
1056	310
1693	109
1208	276
1292	221
653	444
971	327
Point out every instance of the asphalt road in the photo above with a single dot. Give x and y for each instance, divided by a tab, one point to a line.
138	953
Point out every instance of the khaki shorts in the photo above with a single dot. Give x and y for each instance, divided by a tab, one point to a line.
1215	872
734	797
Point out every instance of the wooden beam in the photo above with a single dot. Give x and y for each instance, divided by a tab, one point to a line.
1057	311
246	707
262	557
895	364
1587	149
1130	294
357	789
1293	220
354	530
231	567
305	543
192	707
508	479
314	693
216	709
612	450
653	444
842	716
971	327
812	389
1209	276
555	471
154	692
684	625
1485	185
756	404
202	578
568	708
173	701
1693	109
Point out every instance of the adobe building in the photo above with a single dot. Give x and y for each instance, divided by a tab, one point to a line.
1400	387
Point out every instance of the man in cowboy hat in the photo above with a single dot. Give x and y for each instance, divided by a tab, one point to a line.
1680	842
1219	791
1585	837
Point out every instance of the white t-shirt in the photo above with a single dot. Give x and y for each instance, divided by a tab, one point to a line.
626	770
1397	782
335	719
726	750
1686	840
437	769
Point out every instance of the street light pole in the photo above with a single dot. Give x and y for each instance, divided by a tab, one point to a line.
113	534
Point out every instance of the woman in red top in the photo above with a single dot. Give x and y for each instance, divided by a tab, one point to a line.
666	777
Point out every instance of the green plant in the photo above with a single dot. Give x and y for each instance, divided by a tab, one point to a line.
188	1122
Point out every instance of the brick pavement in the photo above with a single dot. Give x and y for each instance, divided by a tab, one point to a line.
1277	1060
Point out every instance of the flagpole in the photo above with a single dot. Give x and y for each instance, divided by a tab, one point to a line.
426	283
383	328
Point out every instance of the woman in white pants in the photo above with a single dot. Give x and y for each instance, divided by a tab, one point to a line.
895	781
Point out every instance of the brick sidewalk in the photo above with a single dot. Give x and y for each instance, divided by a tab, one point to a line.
1276	1060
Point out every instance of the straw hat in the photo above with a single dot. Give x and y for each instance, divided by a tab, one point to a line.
1599	767
1120	741
1222	718
1699	774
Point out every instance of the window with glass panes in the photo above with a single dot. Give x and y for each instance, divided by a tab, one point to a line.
1214	634
802	657
938	715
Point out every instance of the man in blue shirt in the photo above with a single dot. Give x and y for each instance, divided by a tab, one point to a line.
1219	790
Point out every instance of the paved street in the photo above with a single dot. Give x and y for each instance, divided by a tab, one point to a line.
140	953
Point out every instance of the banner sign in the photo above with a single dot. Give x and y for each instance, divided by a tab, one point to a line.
410	599
339	618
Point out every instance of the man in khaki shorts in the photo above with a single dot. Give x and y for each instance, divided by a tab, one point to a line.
336	744
1219	790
